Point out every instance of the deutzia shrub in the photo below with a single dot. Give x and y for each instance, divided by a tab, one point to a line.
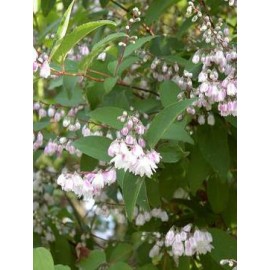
134	134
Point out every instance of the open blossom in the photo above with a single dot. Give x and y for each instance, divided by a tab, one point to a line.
128	152
88	186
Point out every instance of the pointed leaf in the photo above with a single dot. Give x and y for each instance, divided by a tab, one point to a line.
164	119
131	188
98	48
138	44
93	261
70	40
94	146
108	115
42	259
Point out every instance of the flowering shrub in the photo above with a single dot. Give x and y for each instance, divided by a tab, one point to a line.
134	110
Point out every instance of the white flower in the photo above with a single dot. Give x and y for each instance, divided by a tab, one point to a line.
45	70
98	182
102	56
231	89
140	220
203	241
169	238
144	166
154	252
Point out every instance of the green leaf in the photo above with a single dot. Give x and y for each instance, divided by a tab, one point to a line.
103	3
131	188
225	246
138	44
121	252
127	63
198	170
70	40
213	144
218	194
61	267
88	163
94	146
70	99
168	93
170	152
163	120
108	116
109	83
177	132
156	9
142	199
120	266
93	261
46	6
98	48
43	123
148	267
153	193
62	28
42	259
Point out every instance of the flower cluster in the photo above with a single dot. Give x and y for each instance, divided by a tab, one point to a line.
88	186
41	62
128	150
218	83
162	70
142	217
182	242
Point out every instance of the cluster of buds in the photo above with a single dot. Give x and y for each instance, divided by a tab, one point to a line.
182	242
128	150
230	262
88	186
70	121
58	145
41	63
135	18
55	114
232	2
142	217
38	142
162	70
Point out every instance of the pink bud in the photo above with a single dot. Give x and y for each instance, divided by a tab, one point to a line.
140	129
124	131
129	124
129	139
141	142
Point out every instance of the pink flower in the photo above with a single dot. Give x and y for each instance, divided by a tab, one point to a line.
45	70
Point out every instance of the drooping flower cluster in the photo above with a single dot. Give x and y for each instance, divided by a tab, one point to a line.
182	242
41	62
218	83
128	151
88	186
142	217
45	221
